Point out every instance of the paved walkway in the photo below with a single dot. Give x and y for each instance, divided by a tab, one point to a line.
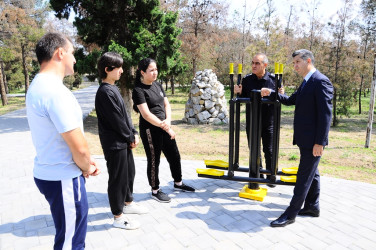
212	218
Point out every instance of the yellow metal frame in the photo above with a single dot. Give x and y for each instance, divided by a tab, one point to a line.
253	194
217	163
210	171
291	170
291	178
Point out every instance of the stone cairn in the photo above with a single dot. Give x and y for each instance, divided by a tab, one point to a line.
207	102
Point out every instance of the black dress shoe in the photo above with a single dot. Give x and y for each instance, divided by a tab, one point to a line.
309	212
282	221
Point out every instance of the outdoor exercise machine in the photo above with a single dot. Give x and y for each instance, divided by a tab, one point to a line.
215	169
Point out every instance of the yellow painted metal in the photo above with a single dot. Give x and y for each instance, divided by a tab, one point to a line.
291	170
252	194
217	163
291	178
210	171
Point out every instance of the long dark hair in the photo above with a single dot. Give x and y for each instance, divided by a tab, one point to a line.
142	65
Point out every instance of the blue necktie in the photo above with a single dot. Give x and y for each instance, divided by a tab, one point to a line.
303	83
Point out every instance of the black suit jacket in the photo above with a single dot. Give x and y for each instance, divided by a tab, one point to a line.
313	111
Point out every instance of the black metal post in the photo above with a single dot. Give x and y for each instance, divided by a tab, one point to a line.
276	128
237	127
255	138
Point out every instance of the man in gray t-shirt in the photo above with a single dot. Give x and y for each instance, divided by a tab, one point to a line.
62	154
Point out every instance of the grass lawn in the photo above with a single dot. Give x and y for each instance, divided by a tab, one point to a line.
14	103
345	157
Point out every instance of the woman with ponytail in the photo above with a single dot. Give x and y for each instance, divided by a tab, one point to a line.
156	133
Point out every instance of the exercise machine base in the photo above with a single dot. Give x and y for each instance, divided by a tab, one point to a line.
253	194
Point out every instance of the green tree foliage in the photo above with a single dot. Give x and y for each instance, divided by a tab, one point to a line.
136	29
19	30
86	63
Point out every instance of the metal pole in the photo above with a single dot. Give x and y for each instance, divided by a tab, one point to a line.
255	133
237	127
276	129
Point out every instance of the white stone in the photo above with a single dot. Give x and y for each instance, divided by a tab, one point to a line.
201	85
215	113
206	114
209	104
211	111
197	108
195	91
217	121
191	112
221	116
206	96
192	121
196	99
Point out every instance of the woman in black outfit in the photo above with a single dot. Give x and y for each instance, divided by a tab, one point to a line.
156	133
118	137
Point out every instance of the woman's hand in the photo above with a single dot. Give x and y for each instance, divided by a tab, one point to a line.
171	133
166	125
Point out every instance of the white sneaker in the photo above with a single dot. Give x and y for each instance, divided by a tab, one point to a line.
124	223
135	208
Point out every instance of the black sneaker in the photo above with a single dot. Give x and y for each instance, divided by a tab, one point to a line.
183	188
161	197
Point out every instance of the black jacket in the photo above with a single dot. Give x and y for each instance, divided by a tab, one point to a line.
115	127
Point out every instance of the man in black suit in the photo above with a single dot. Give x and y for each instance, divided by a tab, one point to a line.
313	112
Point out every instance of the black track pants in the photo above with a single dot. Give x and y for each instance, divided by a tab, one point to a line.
121	173
155	141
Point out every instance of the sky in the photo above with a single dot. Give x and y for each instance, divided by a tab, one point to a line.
326	8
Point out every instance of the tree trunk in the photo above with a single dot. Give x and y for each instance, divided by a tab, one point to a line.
194	66
26	72
335	119
4	98
4	77
125	86
172	85
371	105
360	94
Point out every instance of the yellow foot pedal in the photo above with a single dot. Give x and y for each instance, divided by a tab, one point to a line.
292	170
253	194
210	171
291	178
216	163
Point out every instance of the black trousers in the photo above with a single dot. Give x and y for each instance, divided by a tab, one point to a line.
156	141
121	173
307	187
